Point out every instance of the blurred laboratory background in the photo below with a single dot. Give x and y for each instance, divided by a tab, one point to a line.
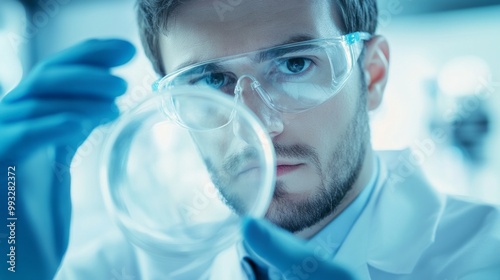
441	102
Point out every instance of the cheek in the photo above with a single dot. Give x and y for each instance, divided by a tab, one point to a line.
323	127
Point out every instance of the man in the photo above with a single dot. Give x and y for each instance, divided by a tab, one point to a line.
356	209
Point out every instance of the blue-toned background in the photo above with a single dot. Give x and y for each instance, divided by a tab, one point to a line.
442	99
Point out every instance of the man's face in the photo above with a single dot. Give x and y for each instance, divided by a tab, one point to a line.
320	151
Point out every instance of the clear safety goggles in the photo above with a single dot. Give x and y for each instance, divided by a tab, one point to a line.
290	78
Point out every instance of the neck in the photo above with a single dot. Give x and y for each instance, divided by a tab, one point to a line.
359	185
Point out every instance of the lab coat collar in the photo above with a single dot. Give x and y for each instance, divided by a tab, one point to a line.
397	225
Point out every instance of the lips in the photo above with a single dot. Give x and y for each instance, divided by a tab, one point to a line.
284	168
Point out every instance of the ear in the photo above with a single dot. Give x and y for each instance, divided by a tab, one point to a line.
376	67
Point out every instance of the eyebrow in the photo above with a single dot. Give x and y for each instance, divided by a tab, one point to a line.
265	55
213	67
277	52
185	64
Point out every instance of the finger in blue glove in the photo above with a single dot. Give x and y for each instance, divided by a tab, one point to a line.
73	88
290	255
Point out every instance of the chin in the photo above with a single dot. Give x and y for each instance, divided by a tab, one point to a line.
280	206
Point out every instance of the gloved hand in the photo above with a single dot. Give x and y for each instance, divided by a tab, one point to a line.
62	93
291	256
51	112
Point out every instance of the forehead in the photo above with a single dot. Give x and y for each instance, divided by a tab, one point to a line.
201	29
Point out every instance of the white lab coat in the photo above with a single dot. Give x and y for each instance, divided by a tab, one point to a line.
407	231
410	231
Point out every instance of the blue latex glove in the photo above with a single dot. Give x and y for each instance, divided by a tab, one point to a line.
50	113
291	256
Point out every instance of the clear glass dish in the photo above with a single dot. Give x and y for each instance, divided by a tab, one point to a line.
177	184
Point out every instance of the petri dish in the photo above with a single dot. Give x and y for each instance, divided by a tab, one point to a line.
180	170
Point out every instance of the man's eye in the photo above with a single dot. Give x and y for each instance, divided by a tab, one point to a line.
222	81
294	65
216	80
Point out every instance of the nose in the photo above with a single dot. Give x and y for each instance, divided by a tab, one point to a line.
251	93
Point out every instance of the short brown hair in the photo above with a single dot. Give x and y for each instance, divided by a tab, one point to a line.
153	15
